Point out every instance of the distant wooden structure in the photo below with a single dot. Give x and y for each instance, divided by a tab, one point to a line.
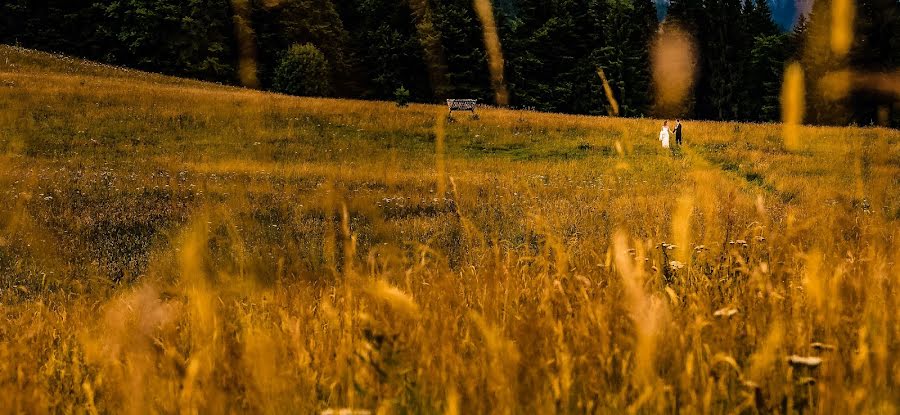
462	105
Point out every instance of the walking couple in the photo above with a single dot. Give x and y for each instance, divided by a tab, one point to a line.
664	134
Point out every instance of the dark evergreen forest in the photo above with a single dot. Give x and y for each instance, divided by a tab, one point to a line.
434	49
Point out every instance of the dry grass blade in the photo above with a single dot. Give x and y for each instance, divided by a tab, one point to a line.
397	300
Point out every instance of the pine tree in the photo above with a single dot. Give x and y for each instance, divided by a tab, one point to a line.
725	55
188	38
385	52
818	60
549	65
758	18
626	28
798	38
767	63
764	72
690	17
463	50
876	50
65	26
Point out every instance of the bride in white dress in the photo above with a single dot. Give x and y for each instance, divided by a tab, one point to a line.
664	134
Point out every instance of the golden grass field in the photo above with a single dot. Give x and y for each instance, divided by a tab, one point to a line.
171	246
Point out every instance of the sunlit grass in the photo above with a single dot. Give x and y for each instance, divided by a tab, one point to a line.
174	246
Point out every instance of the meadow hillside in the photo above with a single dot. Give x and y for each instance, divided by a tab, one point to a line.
174	246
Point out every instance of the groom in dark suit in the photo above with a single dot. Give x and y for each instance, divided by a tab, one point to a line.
677	132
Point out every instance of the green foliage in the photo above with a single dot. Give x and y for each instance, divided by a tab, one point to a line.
189	38
387	52
279	25
767	59
435	49
876	49
401	96
817	60
56	25
463	48
549	67
303	70
623	53
556	48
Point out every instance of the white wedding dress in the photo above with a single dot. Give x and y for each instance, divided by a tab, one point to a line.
664	137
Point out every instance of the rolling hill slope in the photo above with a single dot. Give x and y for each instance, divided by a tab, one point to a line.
169	245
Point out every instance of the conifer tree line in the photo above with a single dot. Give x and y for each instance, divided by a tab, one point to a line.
434	49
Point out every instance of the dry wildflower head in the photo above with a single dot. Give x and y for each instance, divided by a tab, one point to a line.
667	246
726	312
806	381
804	361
